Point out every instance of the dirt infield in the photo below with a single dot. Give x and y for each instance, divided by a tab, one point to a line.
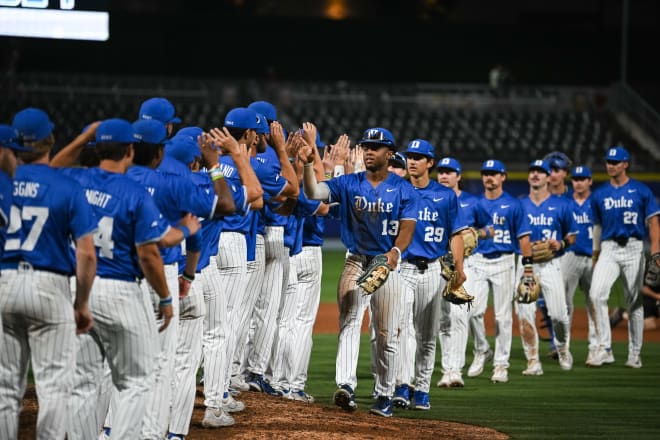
273	418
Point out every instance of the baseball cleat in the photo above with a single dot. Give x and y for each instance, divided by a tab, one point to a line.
534	368
445	379
344	398
634	361
382	407
300	396
216	418
401	396
500	374
172	436
480	359
230	405
565	359
456	379
421	400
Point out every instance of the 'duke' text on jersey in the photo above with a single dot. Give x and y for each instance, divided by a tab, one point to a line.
539	220
362	204
427	215
621	202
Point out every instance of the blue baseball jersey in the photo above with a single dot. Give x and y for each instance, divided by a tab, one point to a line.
174	196
509	224
583	219
473	212
271	218
128	217
48	210
551	219
241	221
370	216
437	219
313	230
623	211
293	233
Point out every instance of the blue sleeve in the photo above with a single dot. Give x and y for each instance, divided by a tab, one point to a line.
150	226
83	219
408	203
194	242
650	204
521	222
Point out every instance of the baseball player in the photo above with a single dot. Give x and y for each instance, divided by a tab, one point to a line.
264	319
159	109
576	263
130	231
454	342
39	321
551	220
623	208
397	165
378	212
437	229
493	264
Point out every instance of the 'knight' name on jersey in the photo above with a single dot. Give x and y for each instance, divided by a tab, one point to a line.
362	204
26	189
621	202
498	219
97	198
537	220
427	215
581	219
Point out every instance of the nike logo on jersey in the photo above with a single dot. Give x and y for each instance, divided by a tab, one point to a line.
464	205
551	208
504	206
154	223
438	199
632	190
389	190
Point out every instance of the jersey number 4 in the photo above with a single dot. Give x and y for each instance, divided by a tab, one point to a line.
16	218
103	237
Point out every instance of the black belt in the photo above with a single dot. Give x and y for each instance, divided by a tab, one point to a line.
420	262
16	265
492	255
580	254
621	241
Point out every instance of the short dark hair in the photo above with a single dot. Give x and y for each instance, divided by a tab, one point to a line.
145	153
114	151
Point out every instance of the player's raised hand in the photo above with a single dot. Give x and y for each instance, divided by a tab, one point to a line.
221	138
83	318
277	135
306	153
309	133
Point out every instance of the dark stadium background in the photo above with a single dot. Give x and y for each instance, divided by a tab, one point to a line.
575	42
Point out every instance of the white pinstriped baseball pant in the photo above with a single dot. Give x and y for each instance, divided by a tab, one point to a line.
627	261
552	285
38	327
577	270
459	317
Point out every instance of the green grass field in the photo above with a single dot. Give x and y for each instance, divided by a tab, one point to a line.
613	402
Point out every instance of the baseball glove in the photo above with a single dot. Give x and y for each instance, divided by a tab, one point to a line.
470	240
541	251
528	289
456	294
447	265
652	272
375	274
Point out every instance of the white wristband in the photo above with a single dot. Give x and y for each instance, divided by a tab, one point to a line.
339	170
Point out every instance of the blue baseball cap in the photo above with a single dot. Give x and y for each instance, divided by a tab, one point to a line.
265	108
262	124
559	160
398	160
160	109
450	163
116	130
493	165
150	131
618	153
183	148
420	146
192	131
378	135
90	144
580	171
539	164
9	138
242	117
32	124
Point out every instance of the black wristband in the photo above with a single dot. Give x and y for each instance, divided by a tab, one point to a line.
187	277
527	261
564	244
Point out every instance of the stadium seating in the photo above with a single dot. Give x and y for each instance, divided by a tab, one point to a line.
468	121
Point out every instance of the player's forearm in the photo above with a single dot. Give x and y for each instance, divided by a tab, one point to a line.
225	205
595	242
248	178
525	246
406	232
654	234
68	155
192	260
85	269
151	264
287	207
457	245
287	170
313	189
